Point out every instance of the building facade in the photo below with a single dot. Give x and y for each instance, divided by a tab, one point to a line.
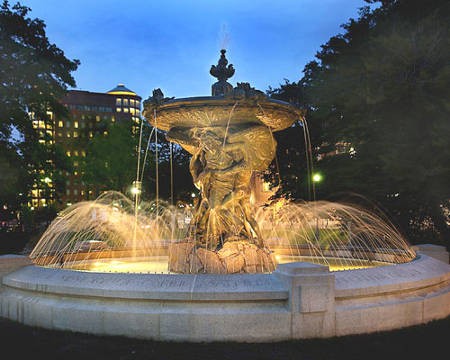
89	115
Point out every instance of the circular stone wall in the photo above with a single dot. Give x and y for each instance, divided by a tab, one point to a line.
298	300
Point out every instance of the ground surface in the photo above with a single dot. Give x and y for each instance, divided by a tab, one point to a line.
427	342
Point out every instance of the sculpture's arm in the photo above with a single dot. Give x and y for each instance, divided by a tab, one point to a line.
248	133
183	137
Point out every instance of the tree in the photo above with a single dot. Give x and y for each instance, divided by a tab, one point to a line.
34	75
381	91
111	160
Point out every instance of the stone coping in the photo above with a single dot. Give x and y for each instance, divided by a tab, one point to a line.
422	272
254	287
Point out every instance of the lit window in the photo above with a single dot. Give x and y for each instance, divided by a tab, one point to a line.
83	153
75	124
118	102
125	102
132	110
75	163
59	134
131	102
68	134
118	109
91	135
97	118
75	134
125	110
68	153
113	119
105	132
60	123
75	153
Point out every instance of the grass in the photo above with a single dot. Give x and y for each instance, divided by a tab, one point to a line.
430	341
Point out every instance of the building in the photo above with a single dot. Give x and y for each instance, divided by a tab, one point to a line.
89	114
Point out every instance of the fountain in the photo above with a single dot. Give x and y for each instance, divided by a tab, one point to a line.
223	270
230	137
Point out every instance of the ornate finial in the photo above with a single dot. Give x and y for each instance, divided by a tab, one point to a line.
221	71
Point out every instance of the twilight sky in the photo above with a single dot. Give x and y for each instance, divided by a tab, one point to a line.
171	44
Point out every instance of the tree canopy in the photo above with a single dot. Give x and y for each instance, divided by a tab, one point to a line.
34	75
379	92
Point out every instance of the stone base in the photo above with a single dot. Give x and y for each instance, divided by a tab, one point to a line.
234	257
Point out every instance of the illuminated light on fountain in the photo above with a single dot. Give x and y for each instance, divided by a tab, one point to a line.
95	236
90	259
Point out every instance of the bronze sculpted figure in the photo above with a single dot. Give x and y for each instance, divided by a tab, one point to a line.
221	167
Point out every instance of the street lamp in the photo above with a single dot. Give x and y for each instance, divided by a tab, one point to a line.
136	188
317	177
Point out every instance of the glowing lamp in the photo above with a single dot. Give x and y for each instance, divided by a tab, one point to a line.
317	177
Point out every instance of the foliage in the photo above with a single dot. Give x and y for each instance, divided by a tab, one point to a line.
34	75
381	90
111	159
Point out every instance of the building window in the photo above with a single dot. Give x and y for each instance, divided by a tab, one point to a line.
67	191
67	123
75	153
75	124
60	123
125	110
118	102
97	118
75	134
118	109
68	153
125	102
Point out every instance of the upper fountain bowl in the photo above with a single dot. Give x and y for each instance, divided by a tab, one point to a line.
243	105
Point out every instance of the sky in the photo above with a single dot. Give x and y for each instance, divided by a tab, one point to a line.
171	44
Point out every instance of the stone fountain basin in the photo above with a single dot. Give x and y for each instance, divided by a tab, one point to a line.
209	111
298	300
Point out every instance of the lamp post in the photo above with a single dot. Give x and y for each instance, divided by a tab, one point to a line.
316	178
136	190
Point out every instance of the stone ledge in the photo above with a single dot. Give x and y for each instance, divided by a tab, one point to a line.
420	273
244	287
